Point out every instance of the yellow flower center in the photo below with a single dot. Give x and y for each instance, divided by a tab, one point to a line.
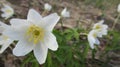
35	34
8	11
98	27
94	35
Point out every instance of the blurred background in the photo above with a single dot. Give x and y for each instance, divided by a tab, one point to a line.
71	52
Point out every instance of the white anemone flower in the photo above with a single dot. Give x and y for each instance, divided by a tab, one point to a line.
47	7
101	28
5	41
92	38
35	34
65	13
7	11
118	9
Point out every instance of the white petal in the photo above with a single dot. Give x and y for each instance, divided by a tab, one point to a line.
6	7
50	41
50	21
3	15
91	41
34	16
17	30
91	38
18	22
105	26
118	9
97	41
104	32
101	22
3	25
17	33
5	45
22	48
6	16
65	13
99	34
40	52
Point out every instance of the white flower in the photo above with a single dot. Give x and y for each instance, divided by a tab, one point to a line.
65	13
4	40
101	28
47	7
7	11
118	9
4	43
35	34
92	38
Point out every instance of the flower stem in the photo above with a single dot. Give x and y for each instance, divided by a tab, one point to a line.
93	54
115	22
44	13
86	51
61	25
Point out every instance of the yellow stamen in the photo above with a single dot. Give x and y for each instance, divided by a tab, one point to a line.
98	27
35	34
8	11
94	35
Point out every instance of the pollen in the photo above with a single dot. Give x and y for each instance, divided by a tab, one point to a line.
35	34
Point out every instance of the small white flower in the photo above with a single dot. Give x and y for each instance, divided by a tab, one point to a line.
47	7
4	43
4	40
65	13
118	9
7	11
92	38
101	28
35	34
